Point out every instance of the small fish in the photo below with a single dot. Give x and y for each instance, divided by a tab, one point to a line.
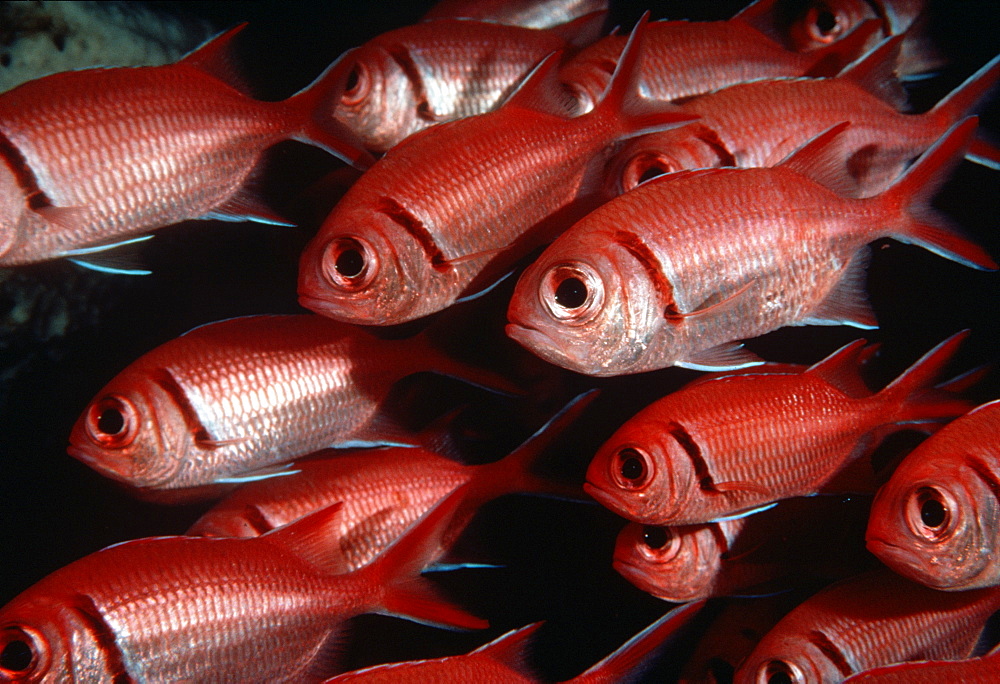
937	519
677	271
384	491
687	58
239	399
170	609
505	659
539	14
735	444
414	234
93	158
416	76
874	619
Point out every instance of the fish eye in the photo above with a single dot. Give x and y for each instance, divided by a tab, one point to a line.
349	263
572	293
644	167
20	653
656	537
780	672
357	85
929	513
631	468
824	25
112	422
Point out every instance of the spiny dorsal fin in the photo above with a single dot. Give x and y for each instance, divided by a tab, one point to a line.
541	90
840	369
819	159
217	57
314	538
875	72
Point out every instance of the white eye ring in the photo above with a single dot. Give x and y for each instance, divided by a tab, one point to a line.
573	293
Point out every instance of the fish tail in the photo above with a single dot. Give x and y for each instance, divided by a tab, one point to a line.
921	402
909	200
313	108
963	100
622	101
395	573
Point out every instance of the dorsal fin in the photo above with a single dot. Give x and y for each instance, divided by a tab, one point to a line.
875	72
216	56
313	538
541	90
511	648
582	31
819	160
840	369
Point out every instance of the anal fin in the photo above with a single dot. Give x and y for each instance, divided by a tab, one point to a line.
847	302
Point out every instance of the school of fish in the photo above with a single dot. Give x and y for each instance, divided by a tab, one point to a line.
615	216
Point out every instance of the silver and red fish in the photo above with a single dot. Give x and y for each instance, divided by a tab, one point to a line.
734	444
677	271
937	519
236	400
528	13
982	670
96	157
414	235
195	609
416	76
874	619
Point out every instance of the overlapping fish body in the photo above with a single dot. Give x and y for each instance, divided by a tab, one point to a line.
527	13
239	399
936	520
678	270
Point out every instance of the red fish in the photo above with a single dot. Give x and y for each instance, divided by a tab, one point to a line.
413	77
236	400
505	659
762	122
411	236
189	609
864	622
937	519
737	443
685	58
676	271
95	157
982	670
385	491
528	13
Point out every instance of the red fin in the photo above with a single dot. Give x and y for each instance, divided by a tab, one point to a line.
216	57
635	654
912	192
313	538
397	570
876	73
847	302
314	106
822	160
741	486
541	90
984	152
511	649
963	99
582	31
244	206
840	369
713	305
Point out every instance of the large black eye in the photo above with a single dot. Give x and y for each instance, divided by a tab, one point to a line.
16	656
357	85
823	25
571	293
22	654
112	422
349	263
656	537
929	514
933	513
826	21
631	468
780	672
779	678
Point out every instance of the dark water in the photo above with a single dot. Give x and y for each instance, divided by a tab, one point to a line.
556	554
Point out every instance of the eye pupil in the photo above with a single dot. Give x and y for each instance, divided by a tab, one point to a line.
826	22
111	421
655	537
16	656
779	678
631	466
350	263
571	293
933	513
352	81
651	172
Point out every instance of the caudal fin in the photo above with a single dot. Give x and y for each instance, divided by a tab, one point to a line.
912	192
313	108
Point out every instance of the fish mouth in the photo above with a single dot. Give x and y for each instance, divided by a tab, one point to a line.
323	307
95	464
603	497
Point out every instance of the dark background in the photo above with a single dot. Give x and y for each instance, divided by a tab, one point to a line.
556	554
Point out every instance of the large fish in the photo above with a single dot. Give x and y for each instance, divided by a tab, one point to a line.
416	76
874	619
447	212
171	609
236	400
681	268
92	158
982	670
937	519
737	443
528	13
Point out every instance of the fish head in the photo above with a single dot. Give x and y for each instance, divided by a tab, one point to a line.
134	432
649	156
792	658
823	22
643	474
14	212
365	268
586	305
937	523
673	563
379	102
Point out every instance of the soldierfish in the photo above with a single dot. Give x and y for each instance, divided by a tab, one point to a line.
528	13
416	76
95	157
414	235
236	400
874	619
384	491
505	659
734	444
685	58
170	609
937	519
762	122
678	270
982	670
